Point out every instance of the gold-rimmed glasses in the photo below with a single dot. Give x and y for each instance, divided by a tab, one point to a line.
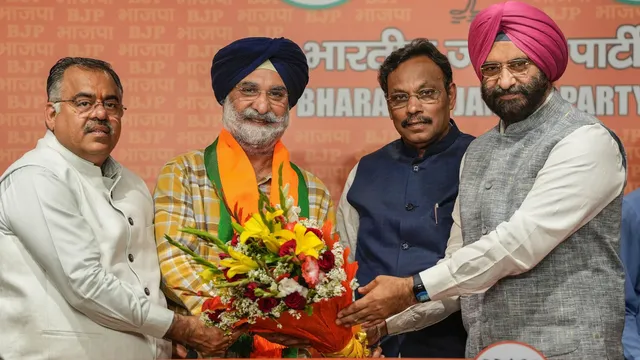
425	96
517	68
84	106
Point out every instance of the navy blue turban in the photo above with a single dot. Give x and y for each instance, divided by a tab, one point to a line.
240	58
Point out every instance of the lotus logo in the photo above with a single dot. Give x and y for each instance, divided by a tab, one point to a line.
630	2
315	4
510	350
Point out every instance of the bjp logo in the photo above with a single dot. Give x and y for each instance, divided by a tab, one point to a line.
630	2
508	350
315	4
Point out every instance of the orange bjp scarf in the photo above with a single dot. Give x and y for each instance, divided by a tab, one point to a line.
238	179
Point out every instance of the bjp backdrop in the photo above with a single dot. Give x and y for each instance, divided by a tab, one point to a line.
162	50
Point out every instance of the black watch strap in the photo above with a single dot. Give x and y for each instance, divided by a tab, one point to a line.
418	289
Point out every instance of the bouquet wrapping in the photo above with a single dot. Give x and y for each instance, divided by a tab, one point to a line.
281	273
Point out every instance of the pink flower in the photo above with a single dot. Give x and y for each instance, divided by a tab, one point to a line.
290	226
311	271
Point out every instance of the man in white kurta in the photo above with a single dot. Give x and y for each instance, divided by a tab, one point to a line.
79	274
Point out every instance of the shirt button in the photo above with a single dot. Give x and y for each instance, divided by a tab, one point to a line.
146	291
485	231
416	168
405	246
488	185
409	207
131	257
130	221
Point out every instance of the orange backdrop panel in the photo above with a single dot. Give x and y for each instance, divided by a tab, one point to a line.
162	50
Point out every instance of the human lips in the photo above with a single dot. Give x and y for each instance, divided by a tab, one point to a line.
99	129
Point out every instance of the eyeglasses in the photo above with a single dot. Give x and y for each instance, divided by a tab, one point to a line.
275	96
85	106
425	96
517	68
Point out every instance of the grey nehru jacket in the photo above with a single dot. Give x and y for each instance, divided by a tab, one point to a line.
571	304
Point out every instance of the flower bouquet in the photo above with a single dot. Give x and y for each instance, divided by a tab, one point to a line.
280	273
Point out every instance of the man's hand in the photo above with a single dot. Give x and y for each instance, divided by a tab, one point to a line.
375	332
377	353
383	297
209	341
286	340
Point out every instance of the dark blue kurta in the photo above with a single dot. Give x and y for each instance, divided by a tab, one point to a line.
405	203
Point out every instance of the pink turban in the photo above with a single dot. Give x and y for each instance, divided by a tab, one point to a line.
529	28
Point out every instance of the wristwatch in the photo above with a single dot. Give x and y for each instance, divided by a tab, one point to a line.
418	289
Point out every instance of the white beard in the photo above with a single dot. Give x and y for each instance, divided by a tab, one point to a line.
254	138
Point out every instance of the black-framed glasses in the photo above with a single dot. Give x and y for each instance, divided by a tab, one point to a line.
84	106
425	96
517	68
276	96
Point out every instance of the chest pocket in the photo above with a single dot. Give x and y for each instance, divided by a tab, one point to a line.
441	211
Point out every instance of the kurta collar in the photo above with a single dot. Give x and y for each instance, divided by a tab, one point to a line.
435	148
110	169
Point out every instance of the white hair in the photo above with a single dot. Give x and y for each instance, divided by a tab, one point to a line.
254	139
56	107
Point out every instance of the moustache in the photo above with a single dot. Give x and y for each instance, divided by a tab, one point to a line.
94	125
251	114
412	120
498	91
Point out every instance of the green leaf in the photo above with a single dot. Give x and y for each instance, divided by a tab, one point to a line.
243	347
283	200
290	352
271	258
208	237
309	310
237	227
197	258
233	284
262	204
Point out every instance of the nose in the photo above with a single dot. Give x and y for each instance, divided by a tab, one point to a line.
261	104
506	79
413	105
98	111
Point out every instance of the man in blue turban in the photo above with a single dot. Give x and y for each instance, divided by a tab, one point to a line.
257	81
242	57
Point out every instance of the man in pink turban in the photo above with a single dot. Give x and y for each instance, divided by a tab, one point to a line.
533	251
531	35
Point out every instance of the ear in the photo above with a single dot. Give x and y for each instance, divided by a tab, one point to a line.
453	93
50	114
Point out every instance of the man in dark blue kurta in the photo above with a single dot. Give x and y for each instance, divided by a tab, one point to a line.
396	209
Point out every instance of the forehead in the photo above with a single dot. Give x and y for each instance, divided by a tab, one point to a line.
264	78
79	80
415	72
503	51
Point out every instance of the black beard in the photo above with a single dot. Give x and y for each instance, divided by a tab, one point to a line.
515	110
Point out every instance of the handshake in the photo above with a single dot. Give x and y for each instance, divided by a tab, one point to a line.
213	342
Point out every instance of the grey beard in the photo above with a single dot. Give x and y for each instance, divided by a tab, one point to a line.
254	139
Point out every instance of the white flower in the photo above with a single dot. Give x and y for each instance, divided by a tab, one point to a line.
309	223
354	284
289	286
